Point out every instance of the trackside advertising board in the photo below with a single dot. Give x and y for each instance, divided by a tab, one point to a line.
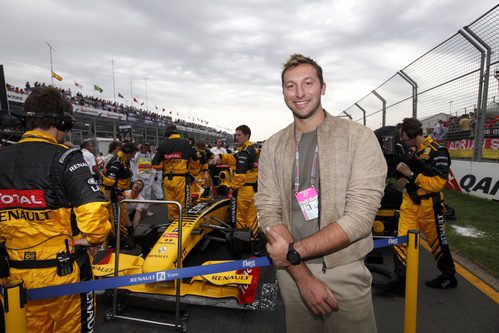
476	178
464	148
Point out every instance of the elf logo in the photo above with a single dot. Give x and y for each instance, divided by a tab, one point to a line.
22	198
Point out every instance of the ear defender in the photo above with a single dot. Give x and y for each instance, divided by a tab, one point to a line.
65	122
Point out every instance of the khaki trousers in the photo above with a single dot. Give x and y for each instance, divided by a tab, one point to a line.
351	286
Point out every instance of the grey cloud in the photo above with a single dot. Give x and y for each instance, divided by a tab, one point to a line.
223	58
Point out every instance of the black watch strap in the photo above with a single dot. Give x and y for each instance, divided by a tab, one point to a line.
293	256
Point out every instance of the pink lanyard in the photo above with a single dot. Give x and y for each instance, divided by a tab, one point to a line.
313	173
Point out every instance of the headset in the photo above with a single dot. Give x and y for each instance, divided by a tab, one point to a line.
64	120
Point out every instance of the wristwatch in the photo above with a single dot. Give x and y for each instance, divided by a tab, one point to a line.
293	256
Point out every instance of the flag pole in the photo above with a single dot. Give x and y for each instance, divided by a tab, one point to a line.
51	67
131	92
147	105
114	85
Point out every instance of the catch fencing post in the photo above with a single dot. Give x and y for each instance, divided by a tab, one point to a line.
383	110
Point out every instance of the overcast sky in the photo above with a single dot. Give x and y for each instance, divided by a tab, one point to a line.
220	61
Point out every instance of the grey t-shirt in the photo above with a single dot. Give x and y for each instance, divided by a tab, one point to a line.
299	227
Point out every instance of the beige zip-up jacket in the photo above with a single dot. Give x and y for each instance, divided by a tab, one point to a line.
352	180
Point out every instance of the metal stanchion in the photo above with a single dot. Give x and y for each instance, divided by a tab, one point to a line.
411	282
14	297
177	323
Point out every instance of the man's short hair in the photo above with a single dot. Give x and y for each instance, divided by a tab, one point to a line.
129	148
298	59
200	145
245	129
411	127
45	100
113	145
86	144
172	129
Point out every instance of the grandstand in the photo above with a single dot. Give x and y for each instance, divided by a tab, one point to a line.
101	119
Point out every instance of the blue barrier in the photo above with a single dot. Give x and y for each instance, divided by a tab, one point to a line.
167	275
130	280
384	242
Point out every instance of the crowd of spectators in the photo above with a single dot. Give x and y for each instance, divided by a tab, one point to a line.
129	110
454	127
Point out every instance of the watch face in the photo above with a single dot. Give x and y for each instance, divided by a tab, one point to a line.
293	257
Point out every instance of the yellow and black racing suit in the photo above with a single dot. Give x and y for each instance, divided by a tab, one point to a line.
199	169
172	157
117	180
41	184
423	205
244	185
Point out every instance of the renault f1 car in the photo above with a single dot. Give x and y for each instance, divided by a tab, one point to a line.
207	221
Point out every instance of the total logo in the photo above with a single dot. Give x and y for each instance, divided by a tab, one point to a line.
22	198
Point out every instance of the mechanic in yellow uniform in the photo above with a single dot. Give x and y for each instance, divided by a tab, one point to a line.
424	177
199	170
41	182
244	183
172	157
116	180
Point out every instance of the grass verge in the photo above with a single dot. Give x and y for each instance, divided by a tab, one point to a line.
483	216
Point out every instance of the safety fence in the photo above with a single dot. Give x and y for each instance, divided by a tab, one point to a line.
15	296
456	79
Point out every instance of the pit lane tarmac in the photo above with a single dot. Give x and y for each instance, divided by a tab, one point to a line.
464	309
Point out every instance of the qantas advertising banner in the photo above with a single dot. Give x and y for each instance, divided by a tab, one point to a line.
476	178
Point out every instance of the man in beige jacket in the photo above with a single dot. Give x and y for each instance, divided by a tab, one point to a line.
320	184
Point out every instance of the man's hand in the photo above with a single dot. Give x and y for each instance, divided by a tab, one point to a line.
402	182
82	242
404	169
317	296
92	251
277	248
206	179
215	160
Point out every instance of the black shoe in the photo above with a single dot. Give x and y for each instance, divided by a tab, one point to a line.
442	282
395	287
